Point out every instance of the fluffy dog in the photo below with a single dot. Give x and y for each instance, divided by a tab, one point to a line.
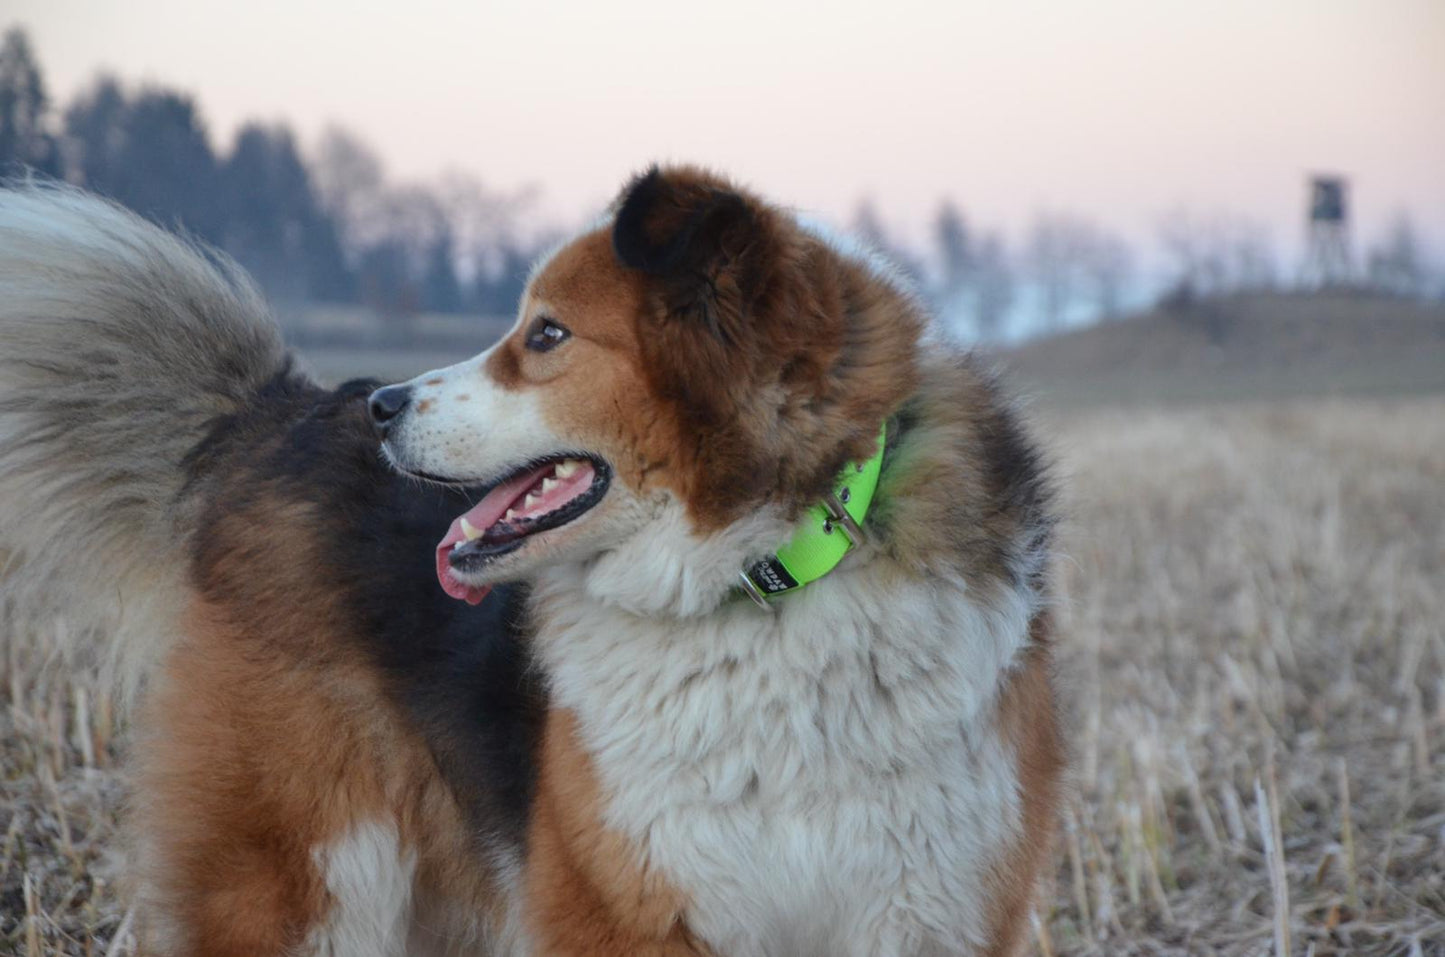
704	614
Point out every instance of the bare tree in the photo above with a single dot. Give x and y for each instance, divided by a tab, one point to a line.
1185	240
1398	264
993	288
350	181
974	290
1107	266
954	249
486	221
1215	255
1252	260
496	242
413	214
868	226
1079	268
1056	254
420	245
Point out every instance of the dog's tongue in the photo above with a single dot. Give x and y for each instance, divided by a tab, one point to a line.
471	594
482	516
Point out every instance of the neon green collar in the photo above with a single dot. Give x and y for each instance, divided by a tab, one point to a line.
830	530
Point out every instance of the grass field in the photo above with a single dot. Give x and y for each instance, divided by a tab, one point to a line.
1253	638
1251	643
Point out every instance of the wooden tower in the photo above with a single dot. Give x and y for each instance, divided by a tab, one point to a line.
1327	239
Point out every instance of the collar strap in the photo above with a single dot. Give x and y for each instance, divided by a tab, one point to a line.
830	530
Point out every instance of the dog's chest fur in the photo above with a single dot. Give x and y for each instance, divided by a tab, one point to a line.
827	778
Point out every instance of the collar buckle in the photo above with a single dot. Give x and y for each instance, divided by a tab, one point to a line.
838	517
815	549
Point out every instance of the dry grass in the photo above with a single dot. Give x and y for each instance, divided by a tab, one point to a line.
1253	642
1253	632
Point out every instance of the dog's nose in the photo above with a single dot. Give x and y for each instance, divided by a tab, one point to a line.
387	403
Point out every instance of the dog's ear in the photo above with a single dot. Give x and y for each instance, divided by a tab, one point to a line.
705	242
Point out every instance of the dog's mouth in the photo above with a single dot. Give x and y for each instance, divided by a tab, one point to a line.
527	502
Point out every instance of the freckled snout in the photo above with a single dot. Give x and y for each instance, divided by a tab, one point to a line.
387	403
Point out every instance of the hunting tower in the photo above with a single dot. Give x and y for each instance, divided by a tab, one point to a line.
1327	238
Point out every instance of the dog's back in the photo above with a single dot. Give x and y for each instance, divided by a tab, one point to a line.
308	702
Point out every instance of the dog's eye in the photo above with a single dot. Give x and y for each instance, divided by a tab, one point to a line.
546	334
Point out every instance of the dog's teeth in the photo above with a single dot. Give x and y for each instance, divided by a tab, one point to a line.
529	501
548	484
567	468
470	531
511	514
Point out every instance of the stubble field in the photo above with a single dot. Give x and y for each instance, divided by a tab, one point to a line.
1252	647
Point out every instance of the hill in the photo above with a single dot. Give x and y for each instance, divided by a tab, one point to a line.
1258	346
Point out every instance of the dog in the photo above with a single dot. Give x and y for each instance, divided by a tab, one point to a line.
706	613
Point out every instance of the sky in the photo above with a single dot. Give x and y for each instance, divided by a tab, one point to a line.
1117	110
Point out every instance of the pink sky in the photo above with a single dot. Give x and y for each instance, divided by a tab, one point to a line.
1115	109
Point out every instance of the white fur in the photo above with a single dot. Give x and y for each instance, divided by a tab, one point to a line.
666	569
477	438
369	878
120	347
824	778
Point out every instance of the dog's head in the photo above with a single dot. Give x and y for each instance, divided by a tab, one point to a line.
698	361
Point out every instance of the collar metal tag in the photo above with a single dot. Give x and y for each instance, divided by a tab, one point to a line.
817	547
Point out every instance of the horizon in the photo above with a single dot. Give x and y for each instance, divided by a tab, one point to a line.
1151	107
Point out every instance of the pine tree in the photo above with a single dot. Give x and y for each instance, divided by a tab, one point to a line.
25	142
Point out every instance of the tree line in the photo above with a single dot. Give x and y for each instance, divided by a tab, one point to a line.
1068	270
331	227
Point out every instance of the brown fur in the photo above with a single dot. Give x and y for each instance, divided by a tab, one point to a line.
1028	720
961	492
588	892
267	741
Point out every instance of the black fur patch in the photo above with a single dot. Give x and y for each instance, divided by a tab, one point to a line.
664	227
639	242
459	673
696	237
1016	472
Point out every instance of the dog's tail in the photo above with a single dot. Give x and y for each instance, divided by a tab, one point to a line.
120	346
